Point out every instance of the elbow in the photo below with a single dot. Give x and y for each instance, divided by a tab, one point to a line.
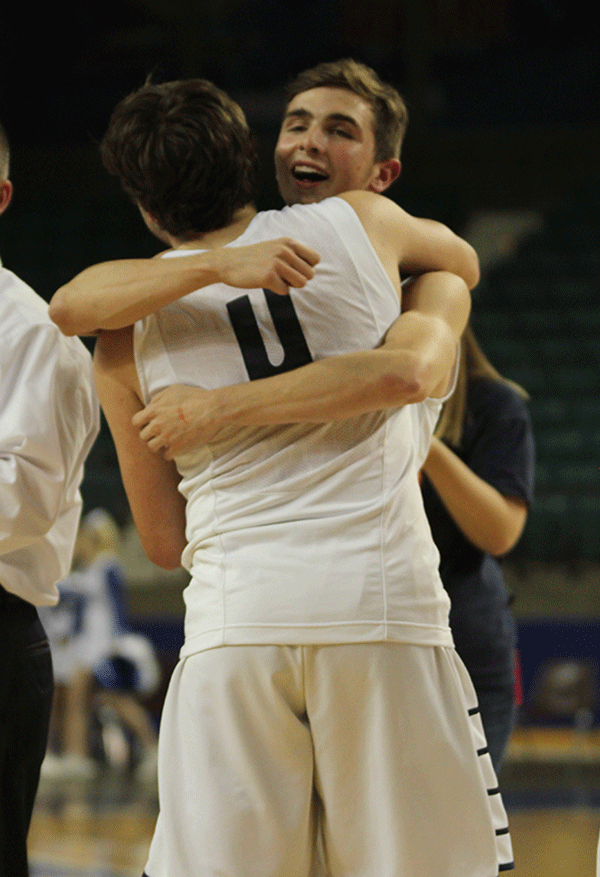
462	260
163	557
500	545
170	563
416	382
401	389
60	313
505	539
68	314
163	552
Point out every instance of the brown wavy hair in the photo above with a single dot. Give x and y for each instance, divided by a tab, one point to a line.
183	151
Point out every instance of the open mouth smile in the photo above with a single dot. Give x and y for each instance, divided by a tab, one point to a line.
304	173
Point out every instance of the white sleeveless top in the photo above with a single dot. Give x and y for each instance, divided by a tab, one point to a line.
302	533
425	415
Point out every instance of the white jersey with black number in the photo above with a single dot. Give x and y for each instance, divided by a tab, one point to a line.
302	533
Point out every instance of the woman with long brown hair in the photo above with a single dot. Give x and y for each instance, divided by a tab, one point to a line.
478	487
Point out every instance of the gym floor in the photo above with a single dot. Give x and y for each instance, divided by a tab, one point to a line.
550	781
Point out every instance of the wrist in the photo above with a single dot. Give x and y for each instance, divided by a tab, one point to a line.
205	268
225	408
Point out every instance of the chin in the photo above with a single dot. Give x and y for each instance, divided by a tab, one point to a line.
309	198
312	196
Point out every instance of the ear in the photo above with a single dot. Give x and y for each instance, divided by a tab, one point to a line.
149	220
153	226
6	191
386	173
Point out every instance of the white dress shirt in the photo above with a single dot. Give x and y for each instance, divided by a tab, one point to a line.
49	419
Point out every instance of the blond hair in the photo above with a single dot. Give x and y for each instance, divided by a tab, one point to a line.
390	115
102	530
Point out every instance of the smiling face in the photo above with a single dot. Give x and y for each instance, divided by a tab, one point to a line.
326	146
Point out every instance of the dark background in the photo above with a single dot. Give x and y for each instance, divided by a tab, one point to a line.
503	98
504	102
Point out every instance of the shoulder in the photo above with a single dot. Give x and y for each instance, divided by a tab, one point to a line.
11	284
20	306
330	226
370	205
497	409
312	218
390	229
486	394
27	327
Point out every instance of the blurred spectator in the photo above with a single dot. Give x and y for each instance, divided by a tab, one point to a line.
101	667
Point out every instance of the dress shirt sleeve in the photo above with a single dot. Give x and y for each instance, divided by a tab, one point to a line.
44	414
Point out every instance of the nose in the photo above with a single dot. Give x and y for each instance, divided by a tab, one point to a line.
313	139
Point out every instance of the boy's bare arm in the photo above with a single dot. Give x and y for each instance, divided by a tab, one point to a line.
112	295
413	363
414	244
150	482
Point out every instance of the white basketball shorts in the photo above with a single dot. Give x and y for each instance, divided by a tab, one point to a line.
357	760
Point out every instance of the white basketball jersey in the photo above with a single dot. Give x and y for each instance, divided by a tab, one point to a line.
301	533
425	415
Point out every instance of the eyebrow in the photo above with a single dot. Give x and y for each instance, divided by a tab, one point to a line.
332	117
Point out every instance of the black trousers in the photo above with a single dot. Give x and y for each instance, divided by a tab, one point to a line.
26	689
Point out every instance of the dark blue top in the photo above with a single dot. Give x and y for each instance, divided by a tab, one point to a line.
498	446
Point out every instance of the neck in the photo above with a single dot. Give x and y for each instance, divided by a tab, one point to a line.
213	239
